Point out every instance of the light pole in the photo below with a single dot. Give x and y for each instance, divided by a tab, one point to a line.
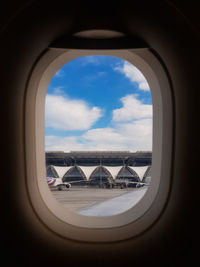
100	172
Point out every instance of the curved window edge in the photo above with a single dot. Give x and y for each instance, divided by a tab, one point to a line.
109	228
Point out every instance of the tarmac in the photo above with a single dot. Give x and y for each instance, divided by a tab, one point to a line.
78	198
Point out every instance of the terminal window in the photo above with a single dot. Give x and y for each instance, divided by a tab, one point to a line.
98	135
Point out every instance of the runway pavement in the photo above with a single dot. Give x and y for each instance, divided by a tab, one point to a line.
77	198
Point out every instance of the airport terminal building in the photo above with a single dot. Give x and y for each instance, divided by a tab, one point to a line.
99	166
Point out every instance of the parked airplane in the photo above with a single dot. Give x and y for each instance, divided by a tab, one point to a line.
57	182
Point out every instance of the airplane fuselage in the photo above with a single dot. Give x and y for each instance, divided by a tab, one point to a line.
57	182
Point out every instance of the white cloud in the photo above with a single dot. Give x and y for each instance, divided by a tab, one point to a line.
60	143
103	135
101	73
63	113
59	90
131	130
137	134
136	129
98	140
90	60
132	109
134	75
60	73
131	136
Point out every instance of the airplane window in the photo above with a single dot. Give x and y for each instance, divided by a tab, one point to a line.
95	135
98	135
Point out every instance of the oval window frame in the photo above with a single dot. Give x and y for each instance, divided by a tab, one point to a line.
141	216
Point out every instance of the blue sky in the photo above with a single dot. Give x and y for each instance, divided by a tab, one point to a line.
98	103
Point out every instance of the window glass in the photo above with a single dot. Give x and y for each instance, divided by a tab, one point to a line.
98	135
